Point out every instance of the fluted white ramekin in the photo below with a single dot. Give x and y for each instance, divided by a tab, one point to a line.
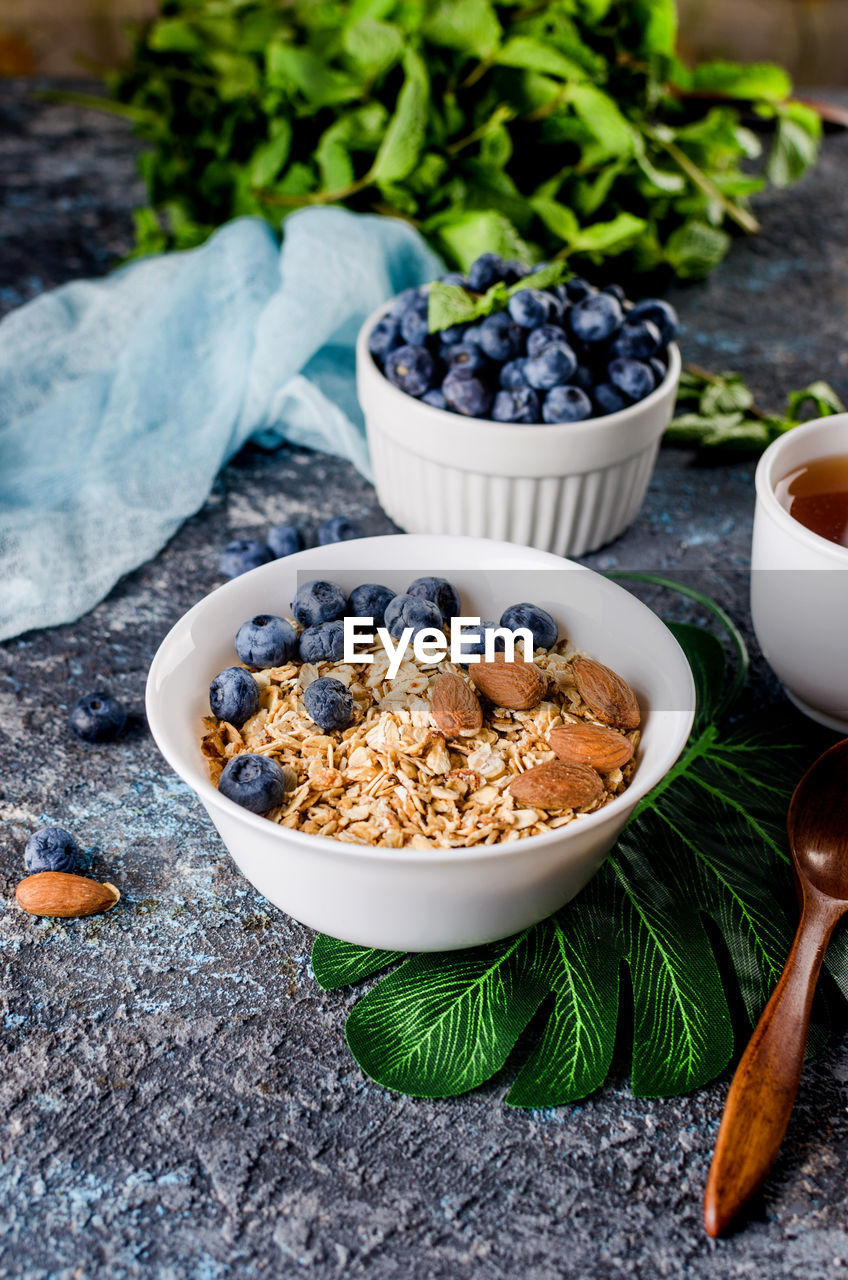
562	487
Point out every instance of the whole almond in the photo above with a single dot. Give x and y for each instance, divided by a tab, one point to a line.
456	707
557	785
515	685
58	893
606	694
593	744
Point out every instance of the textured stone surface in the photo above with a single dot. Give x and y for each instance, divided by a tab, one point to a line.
177	1096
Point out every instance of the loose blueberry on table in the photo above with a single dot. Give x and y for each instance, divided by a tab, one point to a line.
556	355
97	717
284	540
338	529
242	555
51	849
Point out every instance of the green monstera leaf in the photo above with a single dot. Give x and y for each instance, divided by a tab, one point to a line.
703	859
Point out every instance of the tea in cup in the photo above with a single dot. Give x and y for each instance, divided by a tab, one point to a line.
799	566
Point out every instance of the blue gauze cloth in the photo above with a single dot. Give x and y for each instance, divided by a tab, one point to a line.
120	399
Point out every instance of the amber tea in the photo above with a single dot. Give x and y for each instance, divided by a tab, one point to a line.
816	495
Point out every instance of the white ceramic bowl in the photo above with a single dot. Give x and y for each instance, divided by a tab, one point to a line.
562	487
410	899
799	582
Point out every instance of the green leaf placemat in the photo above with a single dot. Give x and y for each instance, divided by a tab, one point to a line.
707	844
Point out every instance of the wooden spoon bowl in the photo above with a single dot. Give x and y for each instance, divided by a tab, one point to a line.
763	1089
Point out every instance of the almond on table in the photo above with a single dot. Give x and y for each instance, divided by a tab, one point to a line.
58	893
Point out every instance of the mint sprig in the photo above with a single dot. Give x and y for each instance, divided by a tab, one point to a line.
451	304
718	411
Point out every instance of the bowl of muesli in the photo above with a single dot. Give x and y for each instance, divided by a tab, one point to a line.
405	800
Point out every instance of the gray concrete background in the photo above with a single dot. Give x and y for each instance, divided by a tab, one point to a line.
176	1093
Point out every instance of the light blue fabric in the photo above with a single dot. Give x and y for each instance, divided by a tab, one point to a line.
120	399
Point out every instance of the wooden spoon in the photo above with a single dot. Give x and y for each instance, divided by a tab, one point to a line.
762	1092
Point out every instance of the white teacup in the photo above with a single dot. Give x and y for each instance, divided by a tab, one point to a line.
799	582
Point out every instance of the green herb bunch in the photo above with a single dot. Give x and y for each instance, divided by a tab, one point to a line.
567	128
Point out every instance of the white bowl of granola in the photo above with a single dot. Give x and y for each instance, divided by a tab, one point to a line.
393	835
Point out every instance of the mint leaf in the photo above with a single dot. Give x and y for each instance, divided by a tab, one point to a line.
820	397
658	20
542	277
608	238
532	55
726	395
373	46
333	158
175	35
302	71
602	117
795	146
237	75
695	248
717	411
602	238
450	304
465	235
558	218
469	26
269	157
754	80
404	140
697	428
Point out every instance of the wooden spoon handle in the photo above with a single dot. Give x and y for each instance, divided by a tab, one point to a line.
762	1092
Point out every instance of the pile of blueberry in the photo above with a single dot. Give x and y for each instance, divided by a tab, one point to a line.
554	355
243	554
258	783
